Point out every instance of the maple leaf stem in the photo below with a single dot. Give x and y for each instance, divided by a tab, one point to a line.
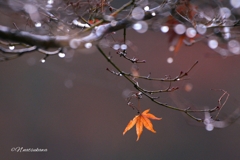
139	108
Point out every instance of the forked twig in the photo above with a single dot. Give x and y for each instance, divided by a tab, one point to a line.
148	95
220	104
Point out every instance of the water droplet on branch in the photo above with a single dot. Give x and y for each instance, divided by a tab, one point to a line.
116	46
50	1
61	55
146	8
11	47
38	24
164	29
140	26
88	45
43	60
123	46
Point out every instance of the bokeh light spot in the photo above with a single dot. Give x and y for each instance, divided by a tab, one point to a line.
225	12
11	47
61	55
170	60
123	46
213	44
146	8
235	3
164	29
180	29
191	32
140	27
138	13
116	46
188	87
38	24
234	47
88	45
201	28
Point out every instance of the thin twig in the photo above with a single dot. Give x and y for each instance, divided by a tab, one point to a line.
224	102
136	85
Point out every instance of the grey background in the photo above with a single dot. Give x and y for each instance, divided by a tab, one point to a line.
76	109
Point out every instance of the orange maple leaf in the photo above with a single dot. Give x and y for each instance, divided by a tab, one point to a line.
140	121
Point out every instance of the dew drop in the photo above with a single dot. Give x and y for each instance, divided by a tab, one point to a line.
88	45
227	34
137	26
153	14
38	24
50	1
61	55
209	127
164	29
140	26
116	46
123	46
43	60
146	8
11	47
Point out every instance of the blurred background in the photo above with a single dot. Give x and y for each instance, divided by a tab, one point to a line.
76	109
